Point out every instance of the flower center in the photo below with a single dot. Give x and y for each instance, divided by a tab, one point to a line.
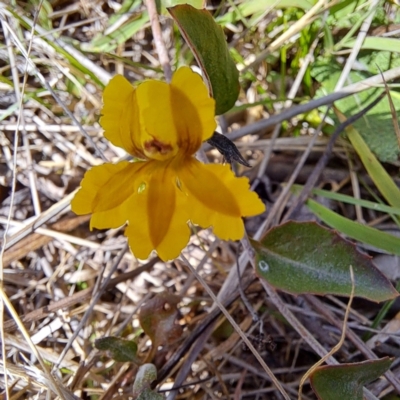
158	150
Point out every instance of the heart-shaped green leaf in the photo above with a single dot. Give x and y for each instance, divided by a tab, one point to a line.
346	381
307	258
121	350
207	41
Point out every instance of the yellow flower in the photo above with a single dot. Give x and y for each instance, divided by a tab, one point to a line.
163	125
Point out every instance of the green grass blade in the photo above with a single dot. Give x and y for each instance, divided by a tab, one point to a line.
377	43
355	230
378	174
351	200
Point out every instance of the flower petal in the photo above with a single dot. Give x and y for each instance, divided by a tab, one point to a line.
159	135
175	117
218	198
104	190
160	217
120	119
193	89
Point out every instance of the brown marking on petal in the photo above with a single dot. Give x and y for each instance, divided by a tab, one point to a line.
156	146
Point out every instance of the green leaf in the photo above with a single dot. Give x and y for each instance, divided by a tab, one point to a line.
376	43
9	111
107	43
355	230
347	15
45	11
344	198
207	42
342	9
346	381
376	128
146	374
148	394
163	5
128	7
259	7
377	61
121	350
307	258
378	174
75	64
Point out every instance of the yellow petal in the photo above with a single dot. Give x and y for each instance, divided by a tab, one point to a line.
159	134
217	198
198	120
120	119
104	190
175	117
159	217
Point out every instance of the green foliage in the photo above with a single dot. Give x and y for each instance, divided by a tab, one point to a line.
146	374
163	5
121	27
349	14
208	44
376	43
258	8
376	127
44	12
352	229
121	350
307	258
388	188
346	381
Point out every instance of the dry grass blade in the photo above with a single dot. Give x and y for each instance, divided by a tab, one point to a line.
55	386
47	215
4	299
